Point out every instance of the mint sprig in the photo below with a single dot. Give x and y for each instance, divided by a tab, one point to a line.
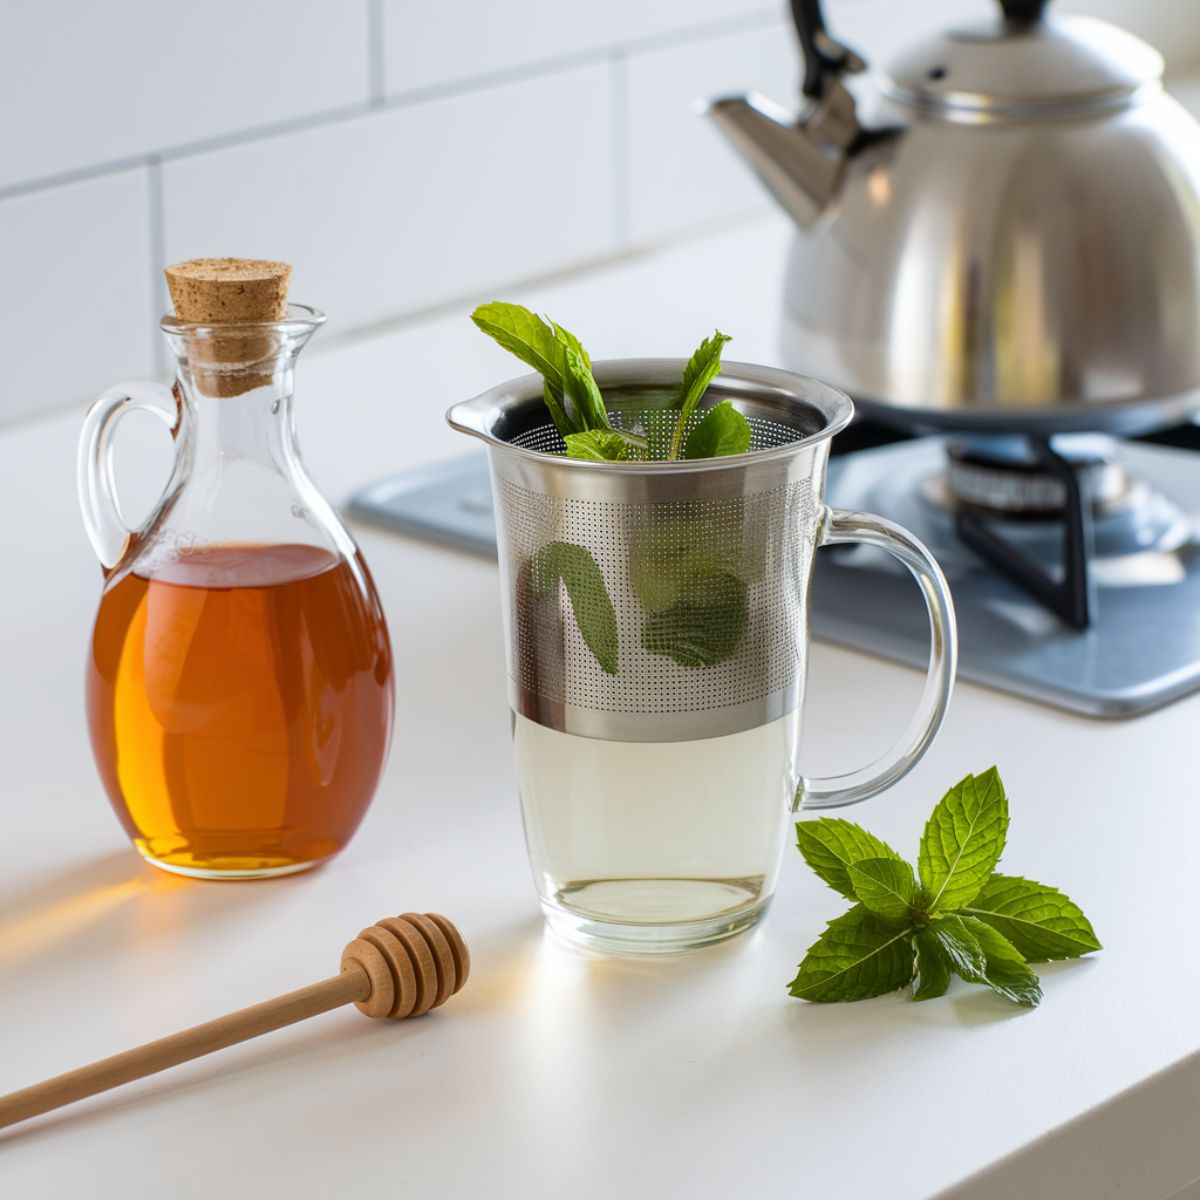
576	405
572	397
953	916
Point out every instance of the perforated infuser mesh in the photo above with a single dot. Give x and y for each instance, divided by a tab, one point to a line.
670	607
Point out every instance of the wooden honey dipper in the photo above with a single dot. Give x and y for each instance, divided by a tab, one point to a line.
399	967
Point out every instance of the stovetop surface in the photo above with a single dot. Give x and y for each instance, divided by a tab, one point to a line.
1141	650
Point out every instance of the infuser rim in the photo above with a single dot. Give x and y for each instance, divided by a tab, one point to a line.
300	319
478	416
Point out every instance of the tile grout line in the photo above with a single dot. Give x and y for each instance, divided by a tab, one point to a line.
376	80
544	68
189	149
620	149
156	231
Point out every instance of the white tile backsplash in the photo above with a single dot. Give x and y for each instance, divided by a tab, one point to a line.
401	154
412	206
426	44
682	172
75	304
98	82
877	29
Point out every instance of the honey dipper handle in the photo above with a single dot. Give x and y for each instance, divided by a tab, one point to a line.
239	1026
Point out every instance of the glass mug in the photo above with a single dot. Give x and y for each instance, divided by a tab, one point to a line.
657	625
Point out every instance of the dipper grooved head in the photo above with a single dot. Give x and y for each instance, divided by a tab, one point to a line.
414	962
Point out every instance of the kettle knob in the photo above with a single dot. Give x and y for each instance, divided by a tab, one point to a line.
1025	11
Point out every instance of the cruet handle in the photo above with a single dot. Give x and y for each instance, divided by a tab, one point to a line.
839	526
107	531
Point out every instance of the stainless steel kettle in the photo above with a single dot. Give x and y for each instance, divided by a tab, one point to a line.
1004	233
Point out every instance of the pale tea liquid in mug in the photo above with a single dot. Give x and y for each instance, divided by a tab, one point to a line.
655	833
240	706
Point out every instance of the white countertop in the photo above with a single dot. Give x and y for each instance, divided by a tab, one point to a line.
557	1069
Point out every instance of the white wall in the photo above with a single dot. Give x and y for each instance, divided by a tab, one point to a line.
400	154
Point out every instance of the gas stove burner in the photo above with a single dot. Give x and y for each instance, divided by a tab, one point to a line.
1064	481
990	475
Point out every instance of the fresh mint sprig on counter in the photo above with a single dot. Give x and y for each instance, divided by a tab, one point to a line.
577	407
954	915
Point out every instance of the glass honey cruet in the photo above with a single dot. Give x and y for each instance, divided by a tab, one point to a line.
239	685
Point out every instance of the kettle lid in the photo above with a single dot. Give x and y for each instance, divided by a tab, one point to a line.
1014	68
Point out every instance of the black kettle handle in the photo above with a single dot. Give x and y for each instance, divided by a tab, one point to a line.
824	58
1026	11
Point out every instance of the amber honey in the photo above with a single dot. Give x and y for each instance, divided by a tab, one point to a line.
240	706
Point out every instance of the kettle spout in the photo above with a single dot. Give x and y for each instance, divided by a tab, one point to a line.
800	164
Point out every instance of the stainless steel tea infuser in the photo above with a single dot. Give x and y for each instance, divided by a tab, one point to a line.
706	565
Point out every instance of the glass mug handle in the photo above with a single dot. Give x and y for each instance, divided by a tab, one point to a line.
106	530
840	526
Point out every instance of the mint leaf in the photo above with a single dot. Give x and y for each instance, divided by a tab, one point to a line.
701	370
963	841
961	947
554	404
831	844
722	430
524	334
705	624
604	445
570	341
575	403
932	967
665	549
581	395
557	355
886	886
1039	921
1006	972
594	614
981	955
859	955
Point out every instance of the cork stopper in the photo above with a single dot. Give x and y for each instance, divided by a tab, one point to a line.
229	291
236	292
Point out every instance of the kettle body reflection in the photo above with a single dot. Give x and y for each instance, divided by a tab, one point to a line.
999	232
